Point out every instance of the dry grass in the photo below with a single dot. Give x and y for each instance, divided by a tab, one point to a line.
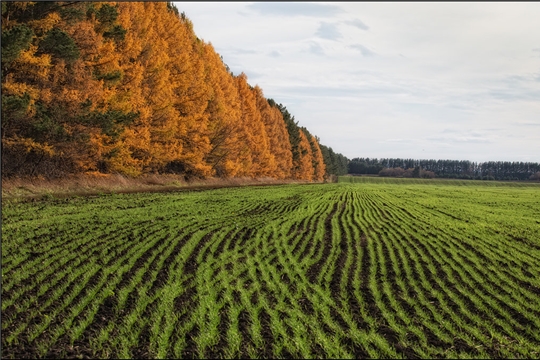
98	183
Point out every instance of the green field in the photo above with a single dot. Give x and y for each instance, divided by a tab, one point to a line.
366	267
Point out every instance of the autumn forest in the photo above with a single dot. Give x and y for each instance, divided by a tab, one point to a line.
128	88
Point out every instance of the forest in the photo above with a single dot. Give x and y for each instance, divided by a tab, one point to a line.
128	88
454	169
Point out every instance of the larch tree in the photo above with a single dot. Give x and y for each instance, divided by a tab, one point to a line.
319	169
281	145
303	168
110	109
270	129
191	95
173	124
255	155
223	117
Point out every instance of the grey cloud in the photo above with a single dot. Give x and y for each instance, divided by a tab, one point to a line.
274	53
512	79
251	75
461	139
357	23
295	9
316	49
520	94
518	82
528	124
449	131
472	139
515	88
397	140
341	92
242	51
236	65
449	135
364	50
328	31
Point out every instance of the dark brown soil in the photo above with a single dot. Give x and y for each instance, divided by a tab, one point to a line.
315	269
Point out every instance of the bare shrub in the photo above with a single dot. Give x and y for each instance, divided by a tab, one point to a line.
426	174
391	172
535	176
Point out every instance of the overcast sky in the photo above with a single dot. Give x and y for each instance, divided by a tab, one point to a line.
442	80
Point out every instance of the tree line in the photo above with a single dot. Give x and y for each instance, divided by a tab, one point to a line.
458	169
128	87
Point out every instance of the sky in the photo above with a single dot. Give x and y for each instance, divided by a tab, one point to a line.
441	80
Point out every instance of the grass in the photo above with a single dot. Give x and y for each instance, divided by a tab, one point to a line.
95	183
399	269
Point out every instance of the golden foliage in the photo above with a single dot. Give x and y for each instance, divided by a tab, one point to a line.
304	166
152	98
27	145
319	168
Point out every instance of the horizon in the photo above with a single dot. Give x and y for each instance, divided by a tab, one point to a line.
427	159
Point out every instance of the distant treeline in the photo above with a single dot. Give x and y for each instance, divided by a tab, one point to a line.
454	169
336	163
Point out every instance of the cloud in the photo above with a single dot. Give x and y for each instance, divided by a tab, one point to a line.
461	139
472	139
364	50
357	23
450	131
516	95
316	49
341	91
462	136
328	31
251	75
274	53
295	9
397	140
241	51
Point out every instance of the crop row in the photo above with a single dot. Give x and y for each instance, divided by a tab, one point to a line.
334	270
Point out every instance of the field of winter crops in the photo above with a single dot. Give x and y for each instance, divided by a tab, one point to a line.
374	268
